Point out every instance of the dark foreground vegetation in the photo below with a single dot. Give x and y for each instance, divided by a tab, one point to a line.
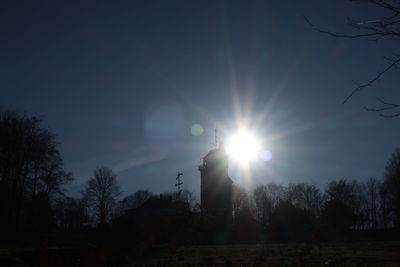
292	254
338	254
348	222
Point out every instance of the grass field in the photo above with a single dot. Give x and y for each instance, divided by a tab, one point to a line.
340	254
325	254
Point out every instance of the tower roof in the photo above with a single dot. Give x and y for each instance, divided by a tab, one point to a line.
215	153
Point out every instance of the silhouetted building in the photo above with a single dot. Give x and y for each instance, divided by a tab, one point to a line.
216	186
156	207
152	209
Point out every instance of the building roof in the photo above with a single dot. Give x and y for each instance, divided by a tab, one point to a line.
218	152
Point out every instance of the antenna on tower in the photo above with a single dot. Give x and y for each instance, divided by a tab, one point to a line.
215	138
178	184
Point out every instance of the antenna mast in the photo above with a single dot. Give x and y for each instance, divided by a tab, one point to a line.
216	138
179	183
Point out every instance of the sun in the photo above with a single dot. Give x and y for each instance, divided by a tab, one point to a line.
243	147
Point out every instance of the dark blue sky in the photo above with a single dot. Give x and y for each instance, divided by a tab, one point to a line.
121	83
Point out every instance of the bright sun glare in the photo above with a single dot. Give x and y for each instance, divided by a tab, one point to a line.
243	147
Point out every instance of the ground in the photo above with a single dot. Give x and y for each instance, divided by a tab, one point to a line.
339	254
325	254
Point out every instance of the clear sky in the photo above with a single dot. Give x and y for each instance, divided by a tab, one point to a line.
122	82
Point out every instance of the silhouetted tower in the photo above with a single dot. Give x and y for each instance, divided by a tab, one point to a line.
216	186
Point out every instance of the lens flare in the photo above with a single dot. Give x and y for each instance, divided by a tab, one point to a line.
243	147
266	155
196	129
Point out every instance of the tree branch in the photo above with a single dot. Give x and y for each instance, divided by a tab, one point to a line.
386	106
373	80
375	29
349	36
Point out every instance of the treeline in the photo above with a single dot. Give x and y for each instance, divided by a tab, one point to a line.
304	212
345	209
32	199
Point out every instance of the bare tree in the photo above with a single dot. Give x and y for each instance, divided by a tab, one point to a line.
380	27
101	193
264	205
30	165
71	214
243	205
304	196
266	199
391	187
385	207
350	194
372	192
188	197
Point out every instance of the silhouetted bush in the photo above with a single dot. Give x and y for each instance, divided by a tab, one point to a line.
336	220
289	223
